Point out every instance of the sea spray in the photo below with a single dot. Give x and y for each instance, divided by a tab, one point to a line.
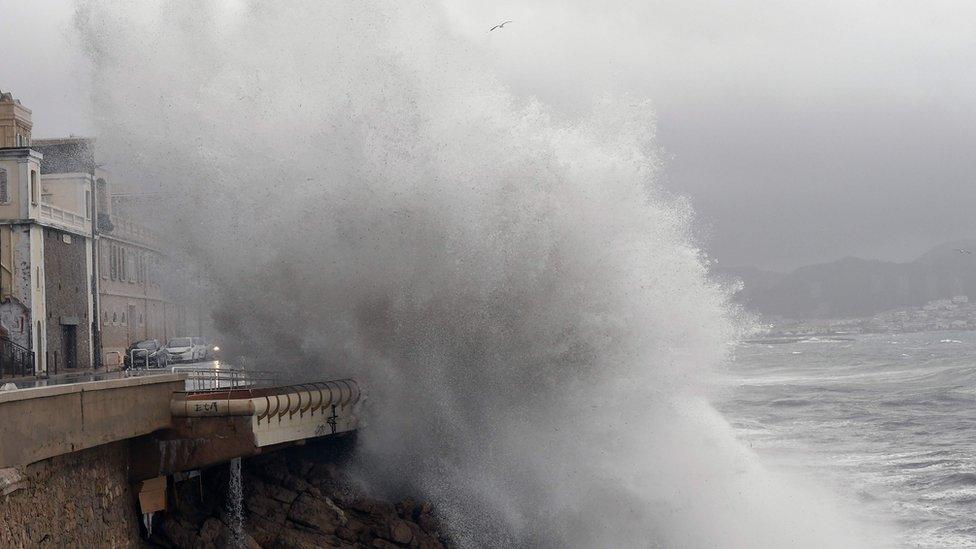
526	309
235	504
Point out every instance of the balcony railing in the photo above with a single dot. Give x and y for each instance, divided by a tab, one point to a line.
15	360
124	228
64	217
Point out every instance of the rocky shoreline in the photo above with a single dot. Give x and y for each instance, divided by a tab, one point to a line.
292	498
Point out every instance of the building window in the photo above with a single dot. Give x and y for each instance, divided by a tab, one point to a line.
130	266
4	193
103	261
35	191
114	251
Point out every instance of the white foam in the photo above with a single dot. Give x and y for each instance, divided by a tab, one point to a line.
525	308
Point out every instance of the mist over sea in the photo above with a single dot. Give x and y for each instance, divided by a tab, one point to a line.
886	421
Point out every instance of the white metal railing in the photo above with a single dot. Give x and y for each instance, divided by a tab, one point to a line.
68	218
217	378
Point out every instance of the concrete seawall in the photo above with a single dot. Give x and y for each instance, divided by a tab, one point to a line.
41	422
86	458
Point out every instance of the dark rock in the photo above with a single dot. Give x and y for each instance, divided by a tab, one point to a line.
322	473
406	509
314	513
429	543
277	471
296	500
360	504
178	533
419	536
210	531
429	523
400	532
346	534
295	538
267	508
263	531
11	480
274	491
355	525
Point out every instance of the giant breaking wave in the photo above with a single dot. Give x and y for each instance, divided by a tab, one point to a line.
523	304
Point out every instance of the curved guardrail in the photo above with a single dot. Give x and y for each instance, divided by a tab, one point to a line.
269	403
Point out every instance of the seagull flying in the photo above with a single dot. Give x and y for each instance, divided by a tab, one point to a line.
500	25
963	251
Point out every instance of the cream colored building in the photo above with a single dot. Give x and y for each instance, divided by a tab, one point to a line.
46	268
15	122
134	272
79	279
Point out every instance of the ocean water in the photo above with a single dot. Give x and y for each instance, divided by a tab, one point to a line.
886	421
527	310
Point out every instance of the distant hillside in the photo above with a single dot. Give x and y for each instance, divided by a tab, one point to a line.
859	287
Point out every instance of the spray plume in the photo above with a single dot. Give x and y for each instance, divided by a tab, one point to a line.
523	305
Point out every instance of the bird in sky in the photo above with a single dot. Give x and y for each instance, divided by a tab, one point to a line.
500	25
963	251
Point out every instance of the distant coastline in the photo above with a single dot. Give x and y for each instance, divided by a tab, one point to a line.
952	314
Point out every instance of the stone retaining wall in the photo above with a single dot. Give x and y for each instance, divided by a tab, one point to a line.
294	500
81	499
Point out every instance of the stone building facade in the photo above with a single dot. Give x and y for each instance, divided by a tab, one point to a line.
80	280
68	293
36	212
134	303
133	269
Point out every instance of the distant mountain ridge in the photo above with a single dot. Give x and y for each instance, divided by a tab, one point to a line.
853	287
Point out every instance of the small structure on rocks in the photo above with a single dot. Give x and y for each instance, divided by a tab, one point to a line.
295	498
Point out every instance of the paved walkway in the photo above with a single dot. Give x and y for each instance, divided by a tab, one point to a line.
85	377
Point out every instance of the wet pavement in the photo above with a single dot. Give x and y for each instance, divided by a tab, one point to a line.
85	377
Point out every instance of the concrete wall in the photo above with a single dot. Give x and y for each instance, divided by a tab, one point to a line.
68	191
66	263
48	421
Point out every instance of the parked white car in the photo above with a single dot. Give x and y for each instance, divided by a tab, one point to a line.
200	348
181	349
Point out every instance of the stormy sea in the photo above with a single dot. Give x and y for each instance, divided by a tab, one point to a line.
529	311
885	420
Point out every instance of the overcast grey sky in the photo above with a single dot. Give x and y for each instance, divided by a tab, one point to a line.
802	131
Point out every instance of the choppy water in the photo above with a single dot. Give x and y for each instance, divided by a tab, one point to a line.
888	420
